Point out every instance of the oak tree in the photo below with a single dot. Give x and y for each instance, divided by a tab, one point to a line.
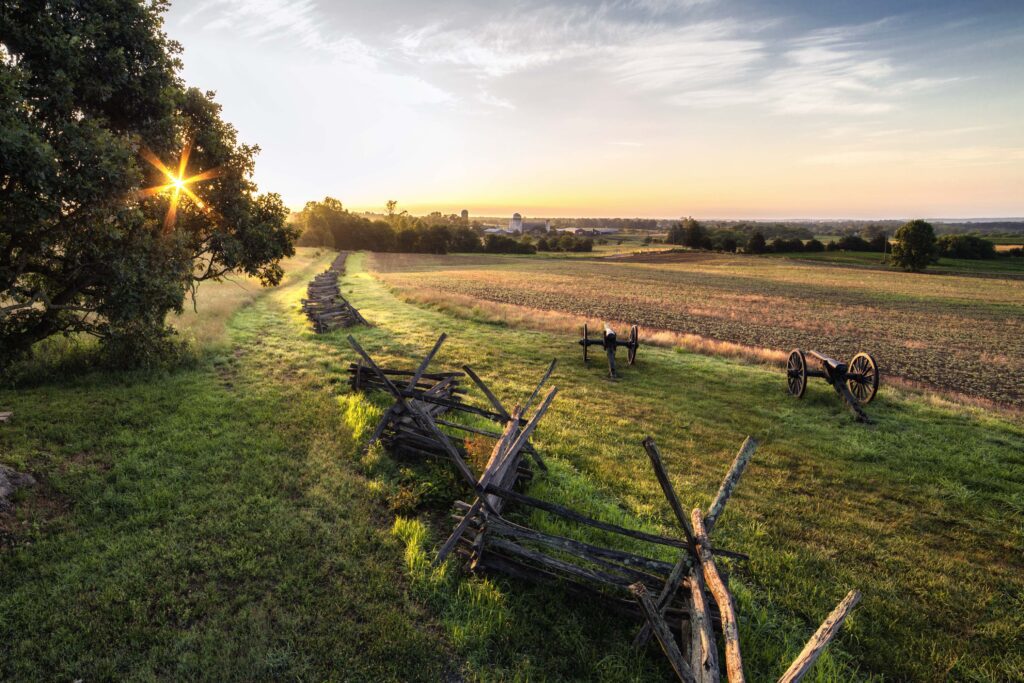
88	92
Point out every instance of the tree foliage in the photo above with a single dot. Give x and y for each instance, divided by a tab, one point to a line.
965	246
85	90
756	244
915	245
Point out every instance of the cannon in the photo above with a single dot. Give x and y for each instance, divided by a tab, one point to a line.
856	382
610	343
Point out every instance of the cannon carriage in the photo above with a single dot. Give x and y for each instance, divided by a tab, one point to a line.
610	342
856	382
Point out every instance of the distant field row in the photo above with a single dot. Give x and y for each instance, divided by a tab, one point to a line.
964	334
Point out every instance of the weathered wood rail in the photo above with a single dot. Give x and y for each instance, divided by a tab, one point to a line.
324	305
856	382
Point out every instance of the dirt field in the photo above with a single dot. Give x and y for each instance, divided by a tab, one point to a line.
960	333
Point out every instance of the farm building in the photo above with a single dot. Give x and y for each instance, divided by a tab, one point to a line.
517	225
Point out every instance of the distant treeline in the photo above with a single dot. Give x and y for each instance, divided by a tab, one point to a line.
329	224
618	223
873	237
856	227
746	236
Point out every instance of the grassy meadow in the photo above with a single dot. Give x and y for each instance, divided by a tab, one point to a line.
223	522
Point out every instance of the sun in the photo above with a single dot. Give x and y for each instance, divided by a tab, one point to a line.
178	183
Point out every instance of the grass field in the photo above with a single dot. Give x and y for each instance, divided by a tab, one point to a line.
964	334
220	522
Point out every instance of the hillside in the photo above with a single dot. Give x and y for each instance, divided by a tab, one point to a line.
223	520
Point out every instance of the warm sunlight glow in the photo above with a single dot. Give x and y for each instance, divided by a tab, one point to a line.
178	183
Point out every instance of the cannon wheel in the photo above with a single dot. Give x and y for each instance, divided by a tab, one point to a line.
863	389
586	346
796	373
634	342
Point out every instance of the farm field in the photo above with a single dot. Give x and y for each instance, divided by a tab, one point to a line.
958	333
221	521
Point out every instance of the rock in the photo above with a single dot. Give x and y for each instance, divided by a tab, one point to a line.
10	481
6	416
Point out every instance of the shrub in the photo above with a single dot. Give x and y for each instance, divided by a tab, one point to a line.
965	246
500	244
814	245
782	246
853	243
756	244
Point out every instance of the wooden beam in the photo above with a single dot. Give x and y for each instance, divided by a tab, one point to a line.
425	362
533	396
503	527
666	486
729	483
703	648
487	392
566	513
663	633
726	608
821	639
391	388
668	592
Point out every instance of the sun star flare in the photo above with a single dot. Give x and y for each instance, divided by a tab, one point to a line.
178	183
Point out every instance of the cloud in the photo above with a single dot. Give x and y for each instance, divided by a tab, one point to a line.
719	62
657	7
505	45
649	55
682	59
298	23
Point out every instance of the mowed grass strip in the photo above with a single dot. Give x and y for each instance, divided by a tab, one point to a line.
204	524
923	510
962	334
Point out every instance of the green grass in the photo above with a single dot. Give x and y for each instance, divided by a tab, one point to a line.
922	511
203	524
221	522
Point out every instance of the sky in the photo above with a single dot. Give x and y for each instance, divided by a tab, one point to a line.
652	108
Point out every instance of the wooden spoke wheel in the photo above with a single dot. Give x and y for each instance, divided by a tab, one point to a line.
586	345
634	342
796	373
864	383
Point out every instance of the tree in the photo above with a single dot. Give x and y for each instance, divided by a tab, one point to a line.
853	243
756	244
965	246
784	246
877	238
86	90
915	245
694	235
675	234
